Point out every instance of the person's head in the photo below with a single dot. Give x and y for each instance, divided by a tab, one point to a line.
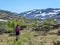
17	25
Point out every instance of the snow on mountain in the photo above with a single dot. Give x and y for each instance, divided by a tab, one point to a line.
41	13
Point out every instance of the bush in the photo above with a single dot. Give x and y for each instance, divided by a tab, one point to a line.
2	30
8	31
19	42
56	43
41	43
30	43
58	33
51	33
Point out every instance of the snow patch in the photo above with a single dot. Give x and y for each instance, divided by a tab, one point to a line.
3	20
43	14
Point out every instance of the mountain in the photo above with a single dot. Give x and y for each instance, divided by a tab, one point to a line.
32	14
7	15
42	13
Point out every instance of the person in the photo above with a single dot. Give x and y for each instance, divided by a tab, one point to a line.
17	31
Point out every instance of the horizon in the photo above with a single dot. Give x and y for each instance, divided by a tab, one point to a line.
27	10
19	6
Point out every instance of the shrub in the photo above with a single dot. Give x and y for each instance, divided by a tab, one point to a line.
30	43
58	33
41	43
2	30
19	42
56	43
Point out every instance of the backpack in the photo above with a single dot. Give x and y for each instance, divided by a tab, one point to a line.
17	28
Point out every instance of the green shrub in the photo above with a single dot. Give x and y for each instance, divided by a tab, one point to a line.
30	43
56	43
58	33
41	43
19	42
8	31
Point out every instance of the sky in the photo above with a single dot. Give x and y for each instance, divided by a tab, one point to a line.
19	6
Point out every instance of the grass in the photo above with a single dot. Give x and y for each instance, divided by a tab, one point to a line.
56	43
41	43
28	38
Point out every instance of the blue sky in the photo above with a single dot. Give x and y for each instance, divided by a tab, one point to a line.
25	5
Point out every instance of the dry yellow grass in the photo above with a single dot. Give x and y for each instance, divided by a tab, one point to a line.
28	36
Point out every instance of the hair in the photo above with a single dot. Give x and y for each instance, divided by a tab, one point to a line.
17	25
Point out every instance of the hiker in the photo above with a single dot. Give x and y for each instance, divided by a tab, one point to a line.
17	28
